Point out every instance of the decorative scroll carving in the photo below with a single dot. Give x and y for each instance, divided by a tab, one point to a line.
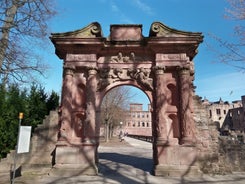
158	29
91	31
141	75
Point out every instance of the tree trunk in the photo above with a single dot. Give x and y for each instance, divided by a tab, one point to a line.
8	24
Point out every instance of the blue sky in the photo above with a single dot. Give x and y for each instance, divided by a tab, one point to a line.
213	79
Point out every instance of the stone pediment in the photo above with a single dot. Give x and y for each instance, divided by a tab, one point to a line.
158	29
93	30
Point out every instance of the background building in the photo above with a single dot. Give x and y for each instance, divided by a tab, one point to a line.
138	122
227	116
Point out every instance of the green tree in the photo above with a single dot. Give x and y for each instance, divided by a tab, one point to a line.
35	105
13	102
36	108
52	101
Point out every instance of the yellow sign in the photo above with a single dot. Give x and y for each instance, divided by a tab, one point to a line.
21	114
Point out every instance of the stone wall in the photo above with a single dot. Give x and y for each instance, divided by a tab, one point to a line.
41	151
216	154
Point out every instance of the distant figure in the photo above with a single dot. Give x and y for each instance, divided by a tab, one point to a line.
121	136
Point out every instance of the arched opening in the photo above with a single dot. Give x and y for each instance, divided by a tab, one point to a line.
127	148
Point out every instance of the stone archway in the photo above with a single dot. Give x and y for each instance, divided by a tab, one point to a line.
160	64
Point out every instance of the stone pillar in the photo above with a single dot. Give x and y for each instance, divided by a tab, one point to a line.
186	106
75	157
160	106
66	106
90	121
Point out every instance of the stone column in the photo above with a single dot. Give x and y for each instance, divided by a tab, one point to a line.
186	104
90	121
66	106
160	106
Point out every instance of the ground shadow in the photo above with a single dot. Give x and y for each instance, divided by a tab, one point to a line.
144	164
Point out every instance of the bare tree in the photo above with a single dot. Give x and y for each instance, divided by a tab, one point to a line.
233	52
113	108
23	26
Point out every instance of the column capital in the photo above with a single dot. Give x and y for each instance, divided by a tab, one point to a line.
69	70
184	70
92	70
159	70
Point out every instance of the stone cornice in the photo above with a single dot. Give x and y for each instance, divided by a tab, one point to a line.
93	30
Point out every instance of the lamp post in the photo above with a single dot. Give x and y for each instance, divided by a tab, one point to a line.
121	133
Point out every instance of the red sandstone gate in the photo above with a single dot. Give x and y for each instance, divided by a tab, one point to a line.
161	65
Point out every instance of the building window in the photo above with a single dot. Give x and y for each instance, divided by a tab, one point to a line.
210	113
218	111
138	124
138	115
147	124
143	115
224	111
143	124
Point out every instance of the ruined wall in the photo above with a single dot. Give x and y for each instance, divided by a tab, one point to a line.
41	151
216	154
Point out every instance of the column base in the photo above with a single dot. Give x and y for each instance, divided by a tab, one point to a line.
69	170
188	141
177	171
71	160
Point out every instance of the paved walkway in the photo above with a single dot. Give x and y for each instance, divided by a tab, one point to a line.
127	162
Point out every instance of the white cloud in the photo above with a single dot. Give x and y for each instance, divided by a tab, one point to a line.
144	7
122	16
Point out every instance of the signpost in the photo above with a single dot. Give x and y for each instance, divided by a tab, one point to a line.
23	144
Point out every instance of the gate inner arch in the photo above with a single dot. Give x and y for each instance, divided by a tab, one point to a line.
161	65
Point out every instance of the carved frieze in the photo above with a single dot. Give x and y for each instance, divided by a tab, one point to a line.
169	57
80	57
109	76
125	58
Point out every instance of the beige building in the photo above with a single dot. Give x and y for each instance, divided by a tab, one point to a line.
228	116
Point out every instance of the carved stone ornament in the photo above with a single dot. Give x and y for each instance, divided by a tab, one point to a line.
141	75
122	59
91	31
158	29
